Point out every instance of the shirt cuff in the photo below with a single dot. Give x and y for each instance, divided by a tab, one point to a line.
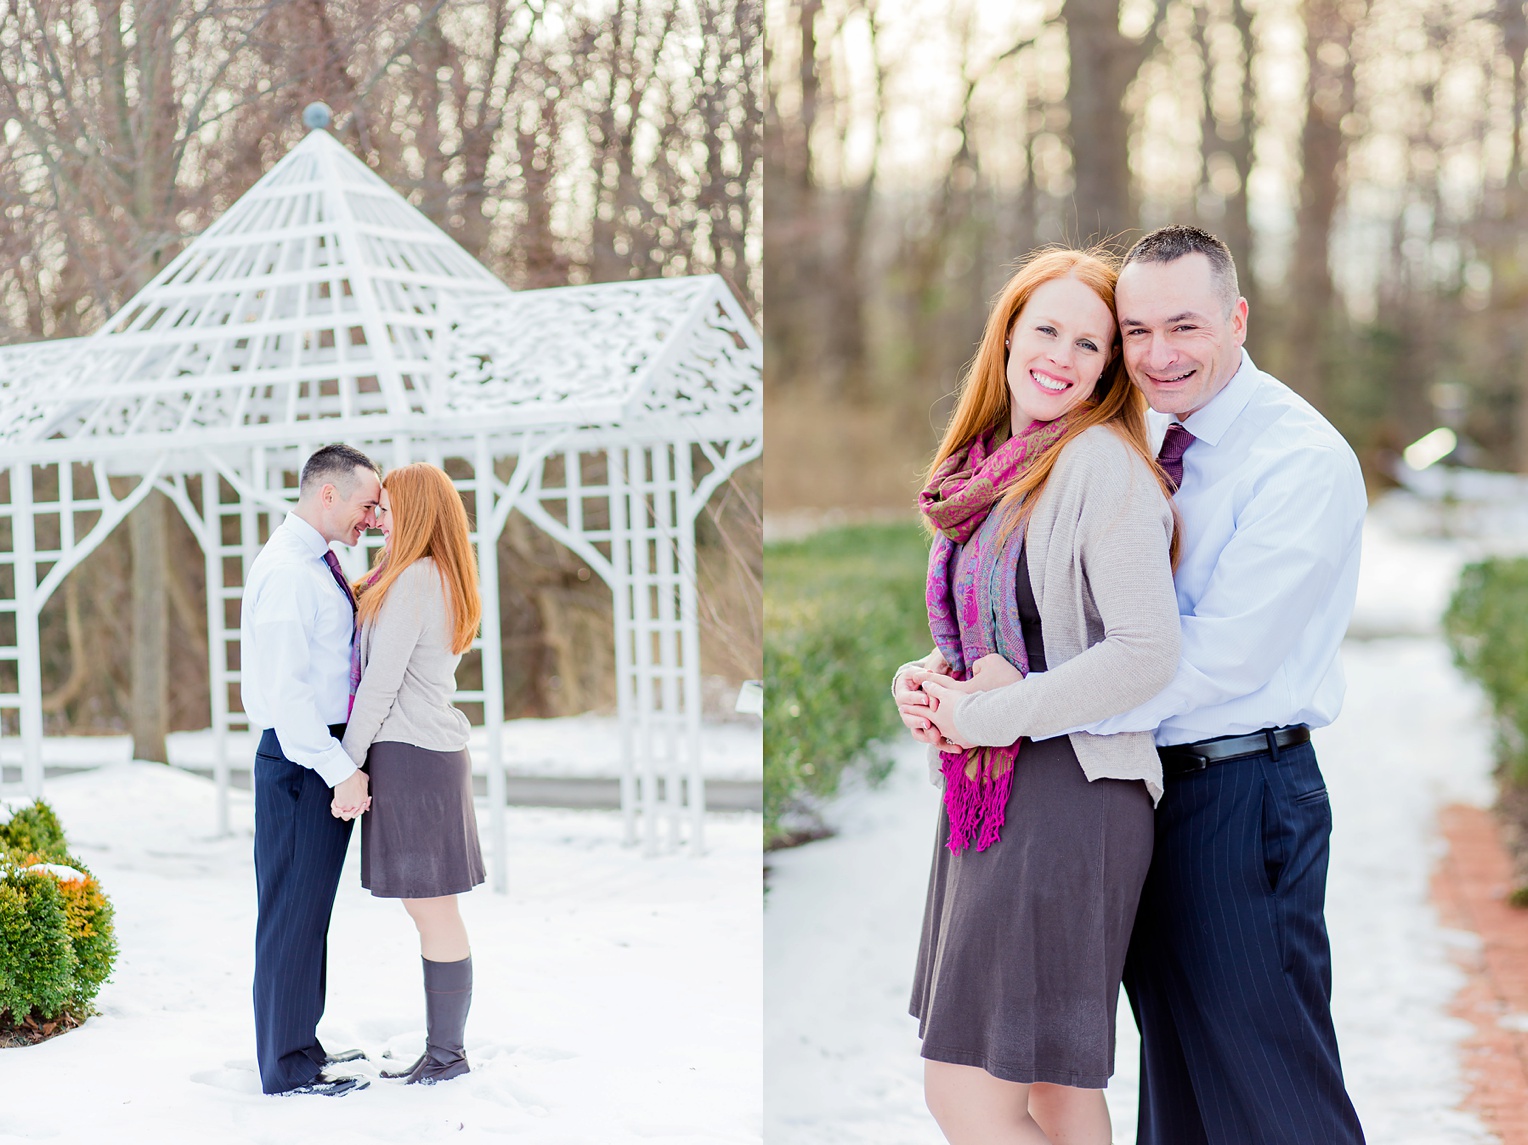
333	765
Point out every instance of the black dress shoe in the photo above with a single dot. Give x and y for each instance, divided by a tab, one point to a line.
329	1086
344	1056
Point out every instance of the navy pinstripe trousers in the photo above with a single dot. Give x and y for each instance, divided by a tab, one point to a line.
299	850
1229	969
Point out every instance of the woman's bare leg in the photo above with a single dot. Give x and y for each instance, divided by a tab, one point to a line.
1071	1116
974	1108
442	934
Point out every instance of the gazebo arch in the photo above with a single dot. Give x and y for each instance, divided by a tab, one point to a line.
321	307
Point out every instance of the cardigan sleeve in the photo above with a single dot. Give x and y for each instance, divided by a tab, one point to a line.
395	631
1121	539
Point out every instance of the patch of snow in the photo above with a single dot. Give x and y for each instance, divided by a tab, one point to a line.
60	872
583	746
617	997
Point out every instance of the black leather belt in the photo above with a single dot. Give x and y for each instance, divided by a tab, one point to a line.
1186	758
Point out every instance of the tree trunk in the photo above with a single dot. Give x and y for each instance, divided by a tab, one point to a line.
1103	64
148	718
1323	149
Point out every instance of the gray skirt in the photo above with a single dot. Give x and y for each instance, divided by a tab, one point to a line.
420	838
1024	943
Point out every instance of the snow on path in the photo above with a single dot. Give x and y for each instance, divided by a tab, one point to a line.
617	998
842	916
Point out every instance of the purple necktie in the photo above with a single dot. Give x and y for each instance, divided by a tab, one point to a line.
1170	456
355	642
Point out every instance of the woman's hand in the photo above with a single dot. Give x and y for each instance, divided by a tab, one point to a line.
942	692
991	671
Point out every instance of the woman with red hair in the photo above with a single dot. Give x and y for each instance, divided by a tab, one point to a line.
1053	541
417	611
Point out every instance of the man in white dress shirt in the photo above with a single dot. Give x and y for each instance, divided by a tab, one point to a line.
1229	970
296	632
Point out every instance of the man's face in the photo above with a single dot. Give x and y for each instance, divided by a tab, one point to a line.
1181	346
346	518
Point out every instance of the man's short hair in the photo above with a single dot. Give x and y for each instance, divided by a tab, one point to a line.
1169	244
334	465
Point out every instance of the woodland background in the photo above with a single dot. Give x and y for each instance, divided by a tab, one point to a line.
558	141
1364	160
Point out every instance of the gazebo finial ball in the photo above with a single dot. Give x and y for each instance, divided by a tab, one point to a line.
316	116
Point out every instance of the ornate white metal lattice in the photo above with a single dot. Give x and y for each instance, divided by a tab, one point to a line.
321	307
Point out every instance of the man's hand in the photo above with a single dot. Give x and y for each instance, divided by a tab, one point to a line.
913	703
351	797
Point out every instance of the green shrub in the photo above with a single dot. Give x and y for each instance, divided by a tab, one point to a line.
1486	625
57	940
35	829
37	961
841	611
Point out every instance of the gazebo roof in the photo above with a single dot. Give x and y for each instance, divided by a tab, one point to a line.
322	305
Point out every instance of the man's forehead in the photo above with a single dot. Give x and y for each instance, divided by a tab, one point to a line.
1166	291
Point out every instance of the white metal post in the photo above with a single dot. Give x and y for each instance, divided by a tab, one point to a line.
666	631
492	661
689	627
625	652
217	637
639	485
28	645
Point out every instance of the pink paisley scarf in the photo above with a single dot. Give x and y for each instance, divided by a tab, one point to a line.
973	608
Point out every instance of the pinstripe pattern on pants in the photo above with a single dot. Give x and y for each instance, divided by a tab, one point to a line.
1229	969
299	851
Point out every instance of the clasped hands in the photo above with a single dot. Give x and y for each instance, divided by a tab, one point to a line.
351	796
926	696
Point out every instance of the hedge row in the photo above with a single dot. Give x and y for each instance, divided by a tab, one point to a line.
842	610
1486	625
57	943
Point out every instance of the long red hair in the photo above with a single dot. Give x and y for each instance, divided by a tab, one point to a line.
429	520
984	401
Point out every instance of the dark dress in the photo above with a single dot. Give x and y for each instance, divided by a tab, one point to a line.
420	838
1024	943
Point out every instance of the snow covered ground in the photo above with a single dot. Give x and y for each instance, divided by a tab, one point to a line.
617	998
842	915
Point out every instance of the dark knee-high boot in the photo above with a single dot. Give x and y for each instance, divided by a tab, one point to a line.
447	998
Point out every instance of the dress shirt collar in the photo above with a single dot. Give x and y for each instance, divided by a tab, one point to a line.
1209	424
311	538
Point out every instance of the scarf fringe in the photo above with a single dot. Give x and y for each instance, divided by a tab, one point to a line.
975	806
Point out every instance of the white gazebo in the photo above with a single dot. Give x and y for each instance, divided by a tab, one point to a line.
323	307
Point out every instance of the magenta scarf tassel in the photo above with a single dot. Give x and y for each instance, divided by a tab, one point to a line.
976	806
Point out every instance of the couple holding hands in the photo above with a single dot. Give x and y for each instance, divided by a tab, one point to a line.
352	686
1137	620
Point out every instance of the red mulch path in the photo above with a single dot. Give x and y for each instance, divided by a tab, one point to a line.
1470	888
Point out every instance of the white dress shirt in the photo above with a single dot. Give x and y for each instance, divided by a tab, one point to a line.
1272	503
294	633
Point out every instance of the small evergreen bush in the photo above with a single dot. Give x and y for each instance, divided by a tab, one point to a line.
57	941
34	828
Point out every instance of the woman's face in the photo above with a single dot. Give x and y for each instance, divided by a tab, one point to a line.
1057	349
385	517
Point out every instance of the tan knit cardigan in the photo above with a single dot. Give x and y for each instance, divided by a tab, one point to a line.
1098	563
